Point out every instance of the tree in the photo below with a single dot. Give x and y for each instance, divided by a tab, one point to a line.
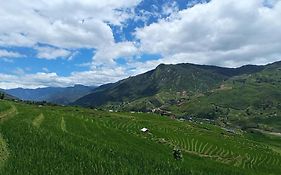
2	96
177	154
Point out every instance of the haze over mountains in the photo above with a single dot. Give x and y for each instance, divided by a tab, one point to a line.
57	95
6	95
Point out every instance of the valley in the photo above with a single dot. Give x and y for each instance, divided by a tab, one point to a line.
140	87
175	119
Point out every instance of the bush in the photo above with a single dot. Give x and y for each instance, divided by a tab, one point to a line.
177	154
2	96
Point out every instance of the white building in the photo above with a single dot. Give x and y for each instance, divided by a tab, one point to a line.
144	130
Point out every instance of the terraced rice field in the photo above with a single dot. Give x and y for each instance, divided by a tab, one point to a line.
68	140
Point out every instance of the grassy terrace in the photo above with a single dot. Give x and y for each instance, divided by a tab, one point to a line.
69	140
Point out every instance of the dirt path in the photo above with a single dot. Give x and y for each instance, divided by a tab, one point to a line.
269	133
62	124
274	133
38	120
4	151
9	113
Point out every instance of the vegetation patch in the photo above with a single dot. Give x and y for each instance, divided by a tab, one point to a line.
8	113
4	152
63	126
38	120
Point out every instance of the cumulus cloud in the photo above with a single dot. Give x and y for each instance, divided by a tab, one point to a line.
64	26
96	76
109	54
50	53
61	23
170	8
51	79
45	69
227	33
9	54
220	32
30	80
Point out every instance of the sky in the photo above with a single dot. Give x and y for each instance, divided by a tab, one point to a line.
61	43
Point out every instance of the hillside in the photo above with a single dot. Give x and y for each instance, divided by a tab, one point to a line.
69	140
6	95
249	101
188	79
55	95
247	97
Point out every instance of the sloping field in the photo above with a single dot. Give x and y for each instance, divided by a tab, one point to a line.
68	140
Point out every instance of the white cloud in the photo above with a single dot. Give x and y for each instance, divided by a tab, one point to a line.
9	54
19	71
31	80
73	55
61	23
96	76
107	55
65	26
45	69
170	8
221	32
270	3
85	64
50	53
51	79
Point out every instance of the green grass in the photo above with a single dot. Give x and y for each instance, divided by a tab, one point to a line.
4	106
68	140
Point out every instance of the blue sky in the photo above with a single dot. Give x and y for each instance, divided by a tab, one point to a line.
62	43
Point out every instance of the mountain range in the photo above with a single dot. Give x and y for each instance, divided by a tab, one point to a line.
57	95
6	95
246	97
166	81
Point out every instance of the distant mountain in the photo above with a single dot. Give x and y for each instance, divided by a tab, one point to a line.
6	96
170	80
56	95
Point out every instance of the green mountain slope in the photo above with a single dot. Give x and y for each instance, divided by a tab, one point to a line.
188	79
68	140
250	101
247	97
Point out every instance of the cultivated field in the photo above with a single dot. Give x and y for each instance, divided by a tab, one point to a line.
68	140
